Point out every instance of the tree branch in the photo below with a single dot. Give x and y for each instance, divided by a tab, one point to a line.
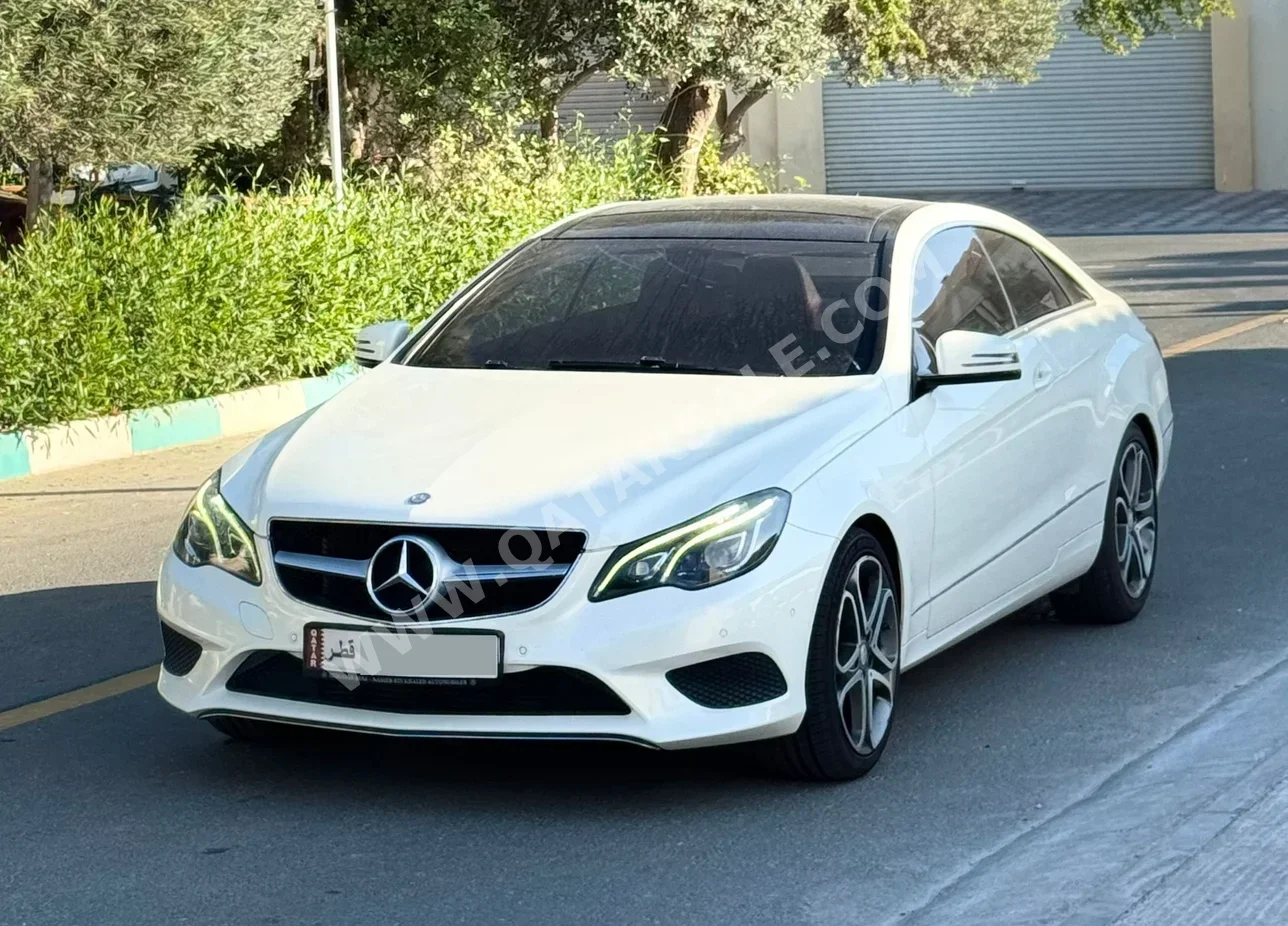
550	118
731	137
580	78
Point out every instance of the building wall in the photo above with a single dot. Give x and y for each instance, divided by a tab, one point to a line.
1092	121
1232	104
1268	57
1249	109
787	132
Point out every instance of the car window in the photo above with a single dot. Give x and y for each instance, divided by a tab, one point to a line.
1028	281
955	288
732	306
1071	288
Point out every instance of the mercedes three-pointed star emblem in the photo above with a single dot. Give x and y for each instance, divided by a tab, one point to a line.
401	577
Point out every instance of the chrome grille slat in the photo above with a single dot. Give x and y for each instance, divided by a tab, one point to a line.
458	572
479	571
467	573
332	565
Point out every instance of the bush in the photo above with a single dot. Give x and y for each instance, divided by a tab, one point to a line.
111	308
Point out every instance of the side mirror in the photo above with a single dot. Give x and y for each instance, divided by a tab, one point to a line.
970	357
377	343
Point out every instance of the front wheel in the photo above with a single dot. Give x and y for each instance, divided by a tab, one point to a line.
1118	584
851	673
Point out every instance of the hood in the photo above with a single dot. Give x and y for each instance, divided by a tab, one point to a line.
619	455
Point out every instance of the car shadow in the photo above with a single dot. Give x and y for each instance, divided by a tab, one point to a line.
76	636
60	639
579	769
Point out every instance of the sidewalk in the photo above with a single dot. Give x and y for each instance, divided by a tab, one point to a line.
1138	212
1240	878
1192	832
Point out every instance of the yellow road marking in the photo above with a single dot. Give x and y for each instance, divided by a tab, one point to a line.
79	698
1221	334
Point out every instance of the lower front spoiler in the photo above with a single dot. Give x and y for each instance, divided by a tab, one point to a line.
692	727
340	727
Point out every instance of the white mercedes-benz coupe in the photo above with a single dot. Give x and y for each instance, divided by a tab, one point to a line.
683	473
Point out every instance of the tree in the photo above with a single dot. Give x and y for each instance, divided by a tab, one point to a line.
553	46
701	47
704	48
97	81
1122	25
413	66
417	64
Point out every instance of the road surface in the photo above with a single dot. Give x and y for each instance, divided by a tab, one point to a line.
1038	773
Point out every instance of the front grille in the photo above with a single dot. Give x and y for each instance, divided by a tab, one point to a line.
477	546
730	681
480	545
543	691
181	653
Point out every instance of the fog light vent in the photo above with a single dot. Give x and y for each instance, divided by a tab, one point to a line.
730	681
181	653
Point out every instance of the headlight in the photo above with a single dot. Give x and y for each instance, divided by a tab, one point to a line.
712	548
212	535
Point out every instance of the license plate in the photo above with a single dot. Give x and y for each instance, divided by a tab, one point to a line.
411	657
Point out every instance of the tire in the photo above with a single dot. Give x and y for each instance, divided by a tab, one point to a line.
826	746
248	730
1117	586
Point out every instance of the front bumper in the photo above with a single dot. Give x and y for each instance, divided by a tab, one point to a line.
628	643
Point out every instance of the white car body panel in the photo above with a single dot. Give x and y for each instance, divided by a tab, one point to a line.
629	643
576	452
994	494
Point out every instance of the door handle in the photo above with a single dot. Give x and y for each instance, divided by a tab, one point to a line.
1042	375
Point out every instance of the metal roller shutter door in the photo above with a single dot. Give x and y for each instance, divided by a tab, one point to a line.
1092	121
603	102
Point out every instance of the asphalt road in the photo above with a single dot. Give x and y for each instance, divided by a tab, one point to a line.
124	811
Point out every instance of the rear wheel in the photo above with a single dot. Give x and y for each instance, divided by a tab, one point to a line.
1118	583
852	671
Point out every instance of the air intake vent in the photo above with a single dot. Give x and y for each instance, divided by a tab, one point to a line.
730	681
181	653
546	690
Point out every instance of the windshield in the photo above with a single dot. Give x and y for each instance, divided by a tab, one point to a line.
770	308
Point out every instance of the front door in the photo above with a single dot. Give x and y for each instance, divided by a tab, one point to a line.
985	440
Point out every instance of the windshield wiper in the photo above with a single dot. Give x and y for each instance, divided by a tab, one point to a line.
657	364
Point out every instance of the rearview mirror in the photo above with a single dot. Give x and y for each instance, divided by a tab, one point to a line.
970	357
377	343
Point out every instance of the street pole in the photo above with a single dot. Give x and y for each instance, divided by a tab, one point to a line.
333	101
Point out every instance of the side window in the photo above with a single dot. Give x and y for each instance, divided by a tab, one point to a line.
1029	282
955	288
1075	292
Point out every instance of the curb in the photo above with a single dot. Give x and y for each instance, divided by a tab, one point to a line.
76	443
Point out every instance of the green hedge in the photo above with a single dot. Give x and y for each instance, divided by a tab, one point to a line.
107	309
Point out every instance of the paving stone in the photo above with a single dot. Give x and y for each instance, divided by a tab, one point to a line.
1241	879
1112	212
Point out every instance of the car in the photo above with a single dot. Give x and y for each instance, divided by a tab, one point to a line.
684	473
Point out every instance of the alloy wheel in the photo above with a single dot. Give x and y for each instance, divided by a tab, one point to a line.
1135	518
867	654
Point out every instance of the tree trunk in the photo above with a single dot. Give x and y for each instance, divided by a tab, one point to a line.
685	124
550	123
731	137
357	140
40	188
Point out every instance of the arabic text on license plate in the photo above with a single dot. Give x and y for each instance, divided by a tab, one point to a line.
410	657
